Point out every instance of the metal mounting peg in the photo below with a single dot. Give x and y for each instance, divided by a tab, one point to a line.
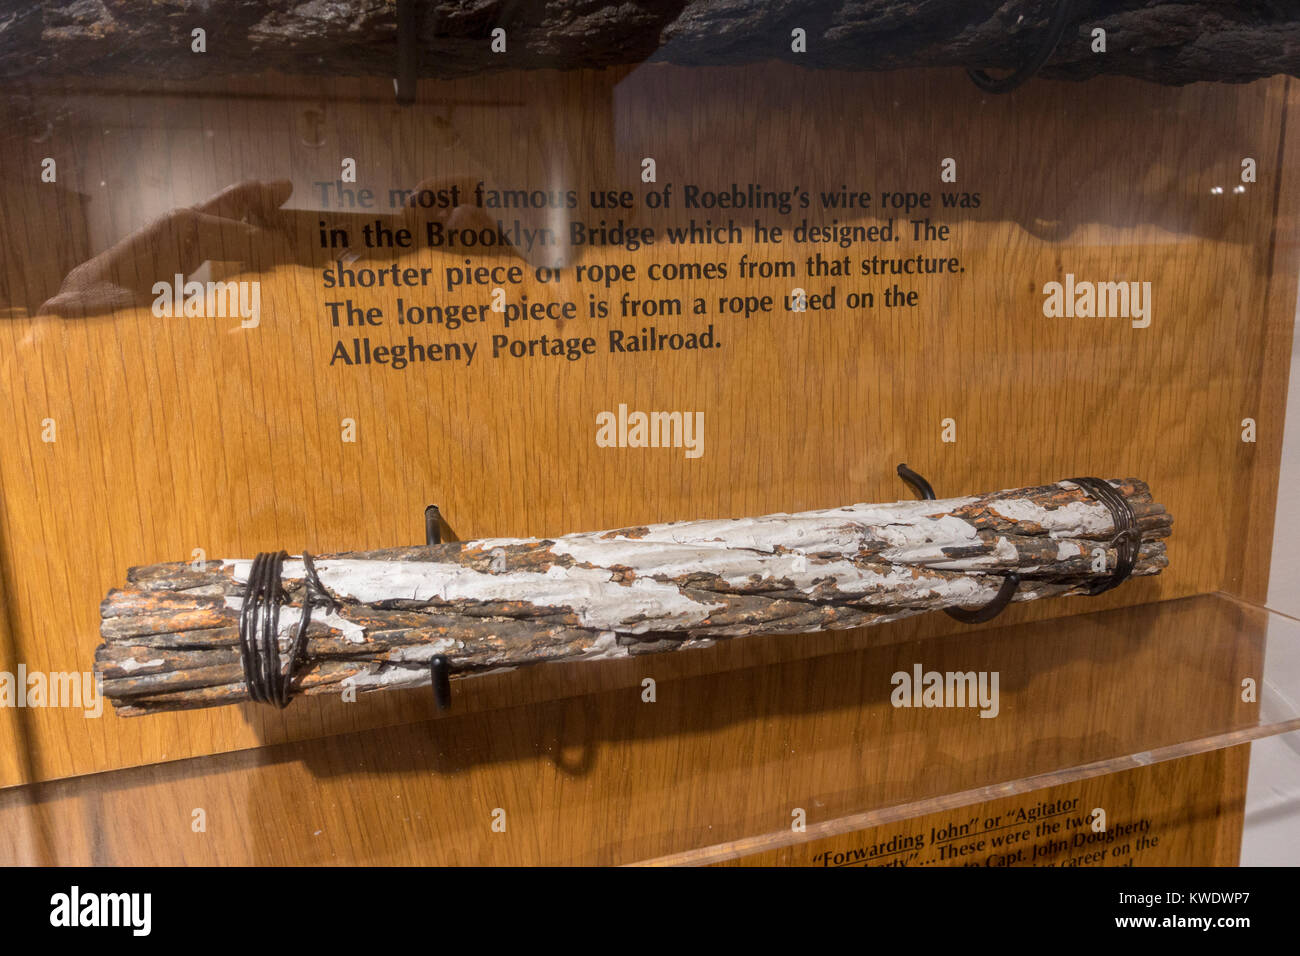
1010	584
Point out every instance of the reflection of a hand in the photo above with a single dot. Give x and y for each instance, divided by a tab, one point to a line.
467	215
226	227
230	227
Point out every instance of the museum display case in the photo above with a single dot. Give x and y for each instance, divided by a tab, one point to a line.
658	434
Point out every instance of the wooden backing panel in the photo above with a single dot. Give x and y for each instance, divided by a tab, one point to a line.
184	434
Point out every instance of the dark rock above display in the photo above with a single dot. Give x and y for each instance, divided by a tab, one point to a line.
1165	41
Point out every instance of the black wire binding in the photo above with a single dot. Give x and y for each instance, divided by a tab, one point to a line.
1051	38
1010	584
259	627
1128	537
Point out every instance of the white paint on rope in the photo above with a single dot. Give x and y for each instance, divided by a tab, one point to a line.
290	614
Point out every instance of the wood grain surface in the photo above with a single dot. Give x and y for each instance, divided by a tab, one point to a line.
183	434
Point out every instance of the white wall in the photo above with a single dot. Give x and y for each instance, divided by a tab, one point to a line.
1272	835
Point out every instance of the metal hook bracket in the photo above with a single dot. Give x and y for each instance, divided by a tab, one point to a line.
408	51
439	666
1010	584
440	679
1046	47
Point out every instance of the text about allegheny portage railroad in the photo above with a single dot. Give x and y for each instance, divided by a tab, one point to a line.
460	275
